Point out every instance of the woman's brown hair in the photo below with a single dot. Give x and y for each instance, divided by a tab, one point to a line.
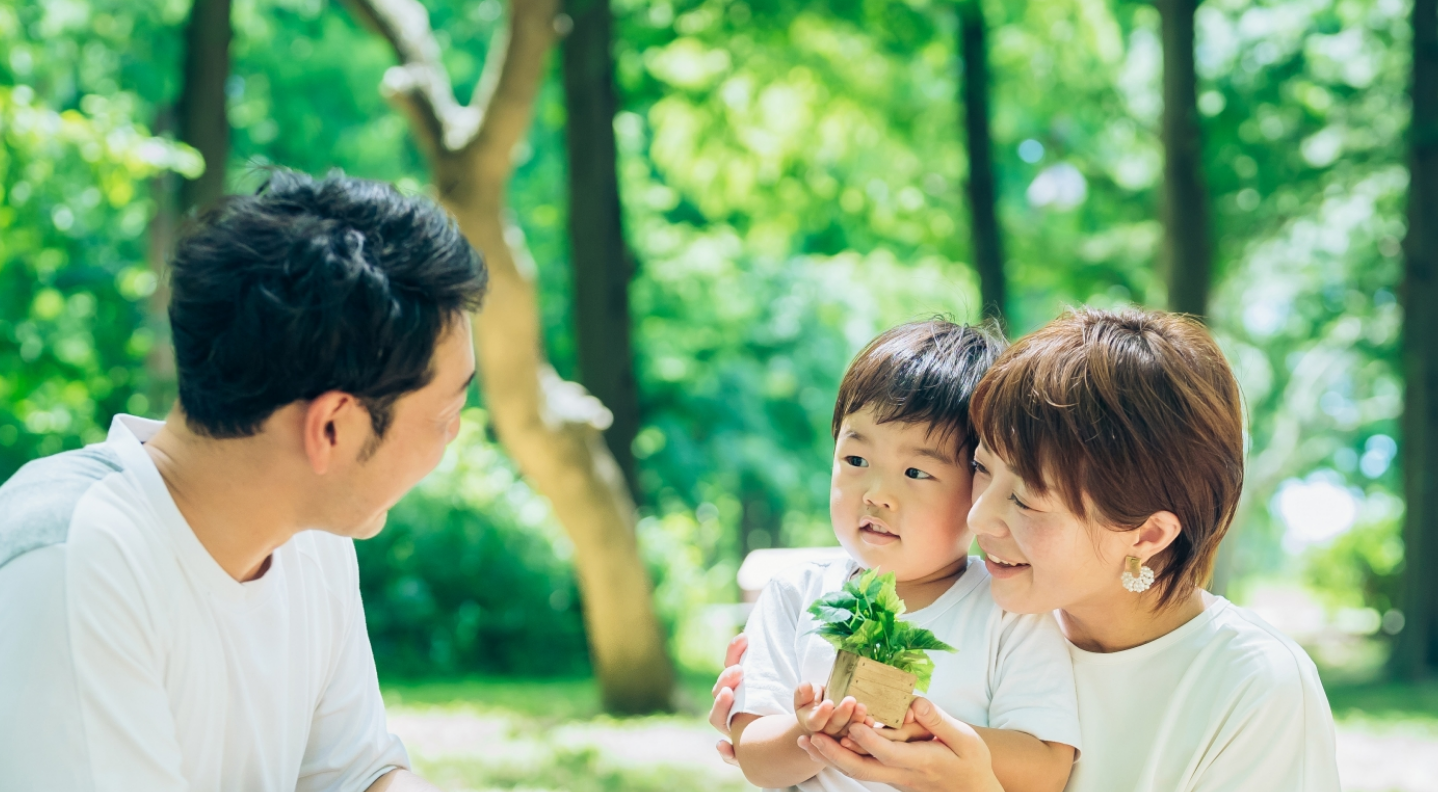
1127	413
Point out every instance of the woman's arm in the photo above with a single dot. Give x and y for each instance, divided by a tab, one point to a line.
1024	763
723	694
956	760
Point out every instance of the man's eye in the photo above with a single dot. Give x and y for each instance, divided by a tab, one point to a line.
915	473
1018	502
857	461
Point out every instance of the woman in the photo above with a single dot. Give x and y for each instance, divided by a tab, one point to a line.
1109	467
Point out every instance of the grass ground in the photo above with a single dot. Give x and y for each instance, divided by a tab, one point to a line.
493	734
540	735
1387	707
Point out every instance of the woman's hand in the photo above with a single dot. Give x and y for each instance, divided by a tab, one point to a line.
956	759
723	693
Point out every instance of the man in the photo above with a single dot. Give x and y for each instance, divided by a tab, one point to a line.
179	605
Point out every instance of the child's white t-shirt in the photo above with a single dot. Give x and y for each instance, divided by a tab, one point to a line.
1010	671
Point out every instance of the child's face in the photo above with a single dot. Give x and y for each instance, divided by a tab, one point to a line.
900	497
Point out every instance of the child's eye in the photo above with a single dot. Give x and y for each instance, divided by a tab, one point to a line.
1018	502
857	461
915	473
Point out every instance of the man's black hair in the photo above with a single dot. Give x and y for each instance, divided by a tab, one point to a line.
310	286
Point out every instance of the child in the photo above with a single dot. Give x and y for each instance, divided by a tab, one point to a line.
899	500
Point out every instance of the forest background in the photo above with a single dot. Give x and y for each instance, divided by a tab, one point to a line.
770	184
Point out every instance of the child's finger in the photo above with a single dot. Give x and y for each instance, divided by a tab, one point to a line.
818	717
807	693
839	721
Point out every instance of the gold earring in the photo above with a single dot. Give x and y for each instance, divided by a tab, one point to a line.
1137	577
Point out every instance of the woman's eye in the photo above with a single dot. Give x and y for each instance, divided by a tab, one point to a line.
1018	502
977	467
915	473
857	461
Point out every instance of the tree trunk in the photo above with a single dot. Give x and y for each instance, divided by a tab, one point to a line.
201	118
1416	652
203	121
551	428
601	262
1187	249
983	200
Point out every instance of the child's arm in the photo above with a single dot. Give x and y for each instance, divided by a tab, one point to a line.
767	748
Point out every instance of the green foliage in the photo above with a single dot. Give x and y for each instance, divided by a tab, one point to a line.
1361	567
74	282
471	573
863	618
792	180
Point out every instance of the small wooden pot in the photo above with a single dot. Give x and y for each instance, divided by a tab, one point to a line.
884	690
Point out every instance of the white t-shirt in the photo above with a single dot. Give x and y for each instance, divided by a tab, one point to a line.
1010	671
1224	703
130	660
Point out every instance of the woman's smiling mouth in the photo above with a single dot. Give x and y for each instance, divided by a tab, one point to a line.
1002	567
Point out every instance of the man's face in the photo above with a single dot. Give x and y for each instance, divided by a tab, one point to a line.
423	423
900	497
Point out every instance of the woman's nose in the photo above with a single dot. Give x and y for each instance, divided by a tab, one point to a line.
983	518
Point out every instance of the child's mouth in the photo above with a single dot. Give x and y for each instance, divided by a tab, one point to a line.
876	533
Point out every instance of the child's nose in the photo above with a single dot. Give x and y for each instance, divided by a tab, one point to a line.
878	495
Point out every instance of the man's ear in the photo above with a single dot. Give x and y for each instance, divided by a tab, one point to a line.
1155	535
334	423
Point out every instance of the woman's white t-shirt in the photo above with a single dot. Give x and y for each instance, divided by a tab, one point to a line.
1010	671
1224	703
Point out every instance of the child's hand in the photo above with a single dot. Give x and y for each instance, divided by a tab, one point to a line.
819	716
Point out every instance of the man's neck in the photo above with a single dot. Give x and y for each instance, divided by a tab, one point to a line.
1126	621
225	490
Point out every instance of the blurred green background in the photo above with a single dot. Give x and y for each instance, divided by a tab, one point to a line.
791	177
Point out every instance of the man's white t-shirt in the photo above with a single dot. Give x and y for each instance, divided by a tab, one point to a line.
129	660
1010	671
1224	703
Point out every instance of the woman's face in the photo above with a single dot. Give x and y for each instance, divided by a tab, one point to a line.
1041	556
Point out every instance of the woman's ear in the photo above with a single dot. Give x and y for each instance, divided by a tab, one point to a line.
1155	535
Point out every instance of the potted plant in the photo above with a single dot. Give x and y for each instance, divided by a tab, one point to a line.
882	660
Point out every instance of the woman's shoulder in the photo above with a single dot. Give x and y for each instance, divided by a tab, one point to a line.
1255	655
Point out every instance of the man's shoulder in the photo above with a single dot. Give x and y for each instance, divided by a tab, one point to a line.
38	503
